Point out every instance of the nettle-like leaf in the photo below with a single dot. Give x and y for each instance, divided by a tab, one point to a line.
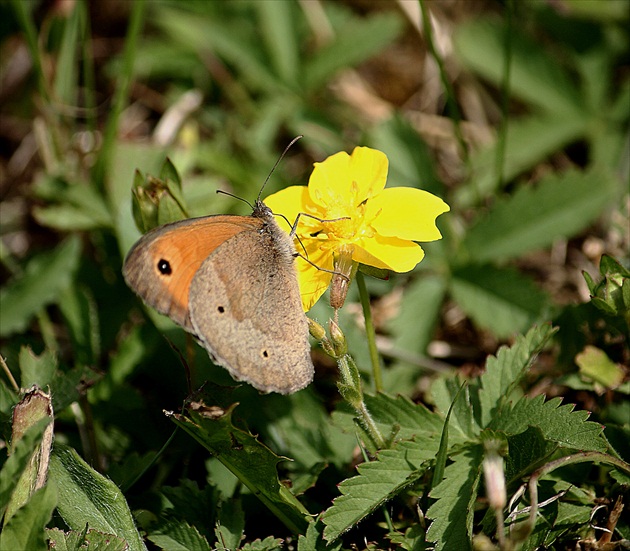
410	419
313	540
253	463
505	370
268	544
452	513
377	482
558	423
84	540
179	536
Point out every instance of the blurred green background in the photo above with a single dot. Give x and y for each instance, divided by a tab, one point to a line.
515	113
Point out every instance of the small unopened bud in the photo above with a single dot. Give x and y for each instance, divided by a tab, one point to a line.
337	338
316	330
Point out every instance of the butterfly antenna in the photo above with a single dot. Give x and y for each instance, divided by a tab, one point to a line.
277	163
235	197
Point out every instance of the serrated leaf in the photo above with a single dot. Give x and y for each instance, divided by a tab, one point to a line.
505	370
499	299
45	276
179	536
560	206
86	496
410	419
86	540
313	540
268	544
452	512
559	423
377	482
249	460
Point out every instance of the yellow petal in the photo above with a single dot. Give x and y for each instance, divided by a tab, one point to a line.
391	253
289	202
407	213
329	184
344	181
314	281
369	170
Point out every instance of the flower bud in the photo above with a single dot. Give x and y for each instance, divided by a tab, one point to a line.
337	338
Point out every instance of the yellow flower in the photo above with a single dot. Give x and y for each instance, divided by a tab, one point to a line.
377	226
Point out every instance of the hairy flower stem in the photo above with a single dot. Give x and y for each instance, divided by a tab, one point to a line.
371	334
350	389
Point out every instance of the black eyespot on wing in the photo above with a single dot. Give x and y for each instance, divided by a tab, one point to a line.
164	267
220	309
265	354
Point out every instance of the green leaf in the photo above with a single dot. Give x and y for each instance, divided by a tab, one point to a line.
192	505
455	496
410	160
278	24
442	454
85	540
462	424
535	75
526	450
594	364
505	370
560	424
231	42
250	461
410	419
80	313
313	540
74	206
529	141
230	525
358	40
268	544
499	299
560	206
25	529
412	332
377	482
179	536
45	276
86	496
18	461
37	370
